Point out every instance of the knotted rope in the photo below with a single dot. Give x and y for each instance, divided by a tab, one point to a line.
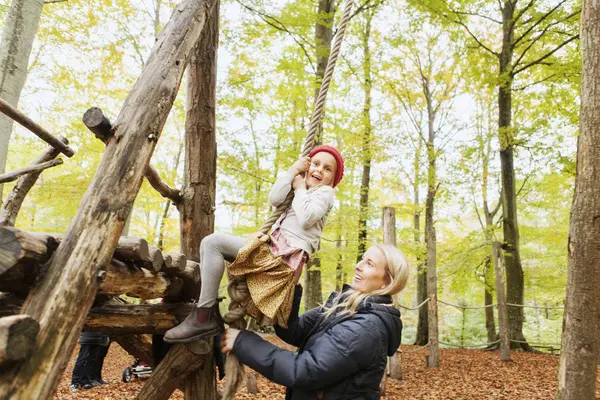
238	289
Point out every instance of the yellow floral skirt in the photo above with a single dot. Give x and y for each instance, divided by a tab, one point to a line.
270	282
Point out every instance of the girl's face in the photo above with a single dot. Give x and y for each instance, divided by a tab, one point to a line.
322	170
371	274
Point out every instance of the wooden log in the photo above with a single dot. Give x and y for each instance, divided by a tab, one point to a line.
132	248
17	246
95	120
40	132
136	318
139	346
120	278
138	282
167	261
396	366
13	175
17	337
179	261
191	281
98	123
171	371
251	384
14	200
156	259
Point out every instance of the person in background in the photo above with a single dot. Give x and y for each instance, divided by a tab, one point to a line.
87	372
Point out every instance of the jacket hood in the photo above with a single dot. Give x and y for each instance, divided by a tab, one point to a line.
389	316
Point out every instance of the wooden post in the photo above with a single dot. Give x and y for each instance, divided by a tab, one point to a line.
28	123
389	237
501	300
17	337
93	235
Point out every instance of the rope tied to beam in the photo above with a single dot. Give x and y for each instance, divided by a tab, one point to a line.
238	289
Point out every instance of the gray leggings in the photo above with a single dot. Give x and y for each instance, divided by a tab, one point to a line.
214	250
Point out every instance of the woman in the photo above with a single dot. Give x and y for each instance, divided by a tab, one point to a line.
342	347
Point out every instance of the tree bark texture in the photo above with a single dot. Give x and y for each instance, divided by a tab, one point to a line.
93	235
18	34
366	140
514	271
580	345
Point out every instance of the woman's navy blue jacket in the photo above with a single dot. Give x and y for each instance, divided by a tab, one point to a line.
341	357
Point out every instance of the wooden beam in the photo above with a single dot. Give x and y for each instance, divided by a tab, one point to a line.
136	318
13	175
40	132
17	336
138	282
95	120
95	230
13	202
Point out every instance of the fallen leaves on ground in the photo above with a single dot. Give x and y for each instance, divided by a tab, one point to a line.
463	375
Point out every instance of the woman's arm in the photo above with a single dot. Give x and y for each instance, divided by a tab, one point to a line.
311	207
340	353
298	326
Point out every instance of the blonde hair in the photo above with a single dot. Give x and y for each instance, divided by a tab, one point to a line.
397	271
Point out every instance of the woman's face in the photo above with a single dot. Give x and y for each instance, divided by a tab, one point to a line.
371	274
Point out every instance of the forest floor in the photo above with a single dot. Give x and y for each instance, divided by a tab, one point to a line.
463	375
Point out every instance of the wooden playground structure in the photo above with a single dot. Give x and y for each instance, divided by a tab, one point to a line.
56	285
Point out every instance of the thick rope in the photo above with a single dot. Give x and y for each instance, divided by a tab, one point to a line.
317	113
238	289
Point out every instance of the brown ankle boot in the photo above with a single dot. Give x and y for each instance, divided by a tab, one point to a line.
203	322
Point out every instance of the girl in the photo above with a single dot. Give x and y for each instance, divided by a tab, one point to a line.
271	264
342	347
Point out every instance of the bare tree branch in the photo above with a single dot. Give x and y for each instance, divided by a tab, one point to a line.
539	21
520	14
275	23
520	88
479	15
539	60
53	1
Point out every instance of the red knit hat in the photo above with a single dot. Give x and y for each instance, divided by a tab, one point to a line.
339	173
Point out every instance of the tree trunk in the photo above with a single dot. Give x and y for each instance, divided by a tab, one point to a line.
422	337
92	237
366	140
197	208
580	345
514	271
18	34
433	360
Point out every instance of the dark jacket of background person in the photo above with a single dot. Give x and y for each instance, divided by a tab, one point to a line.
341	357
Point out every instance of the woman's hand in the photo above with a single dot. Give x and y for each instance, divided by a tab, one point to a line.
300	166
298	182
228	339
